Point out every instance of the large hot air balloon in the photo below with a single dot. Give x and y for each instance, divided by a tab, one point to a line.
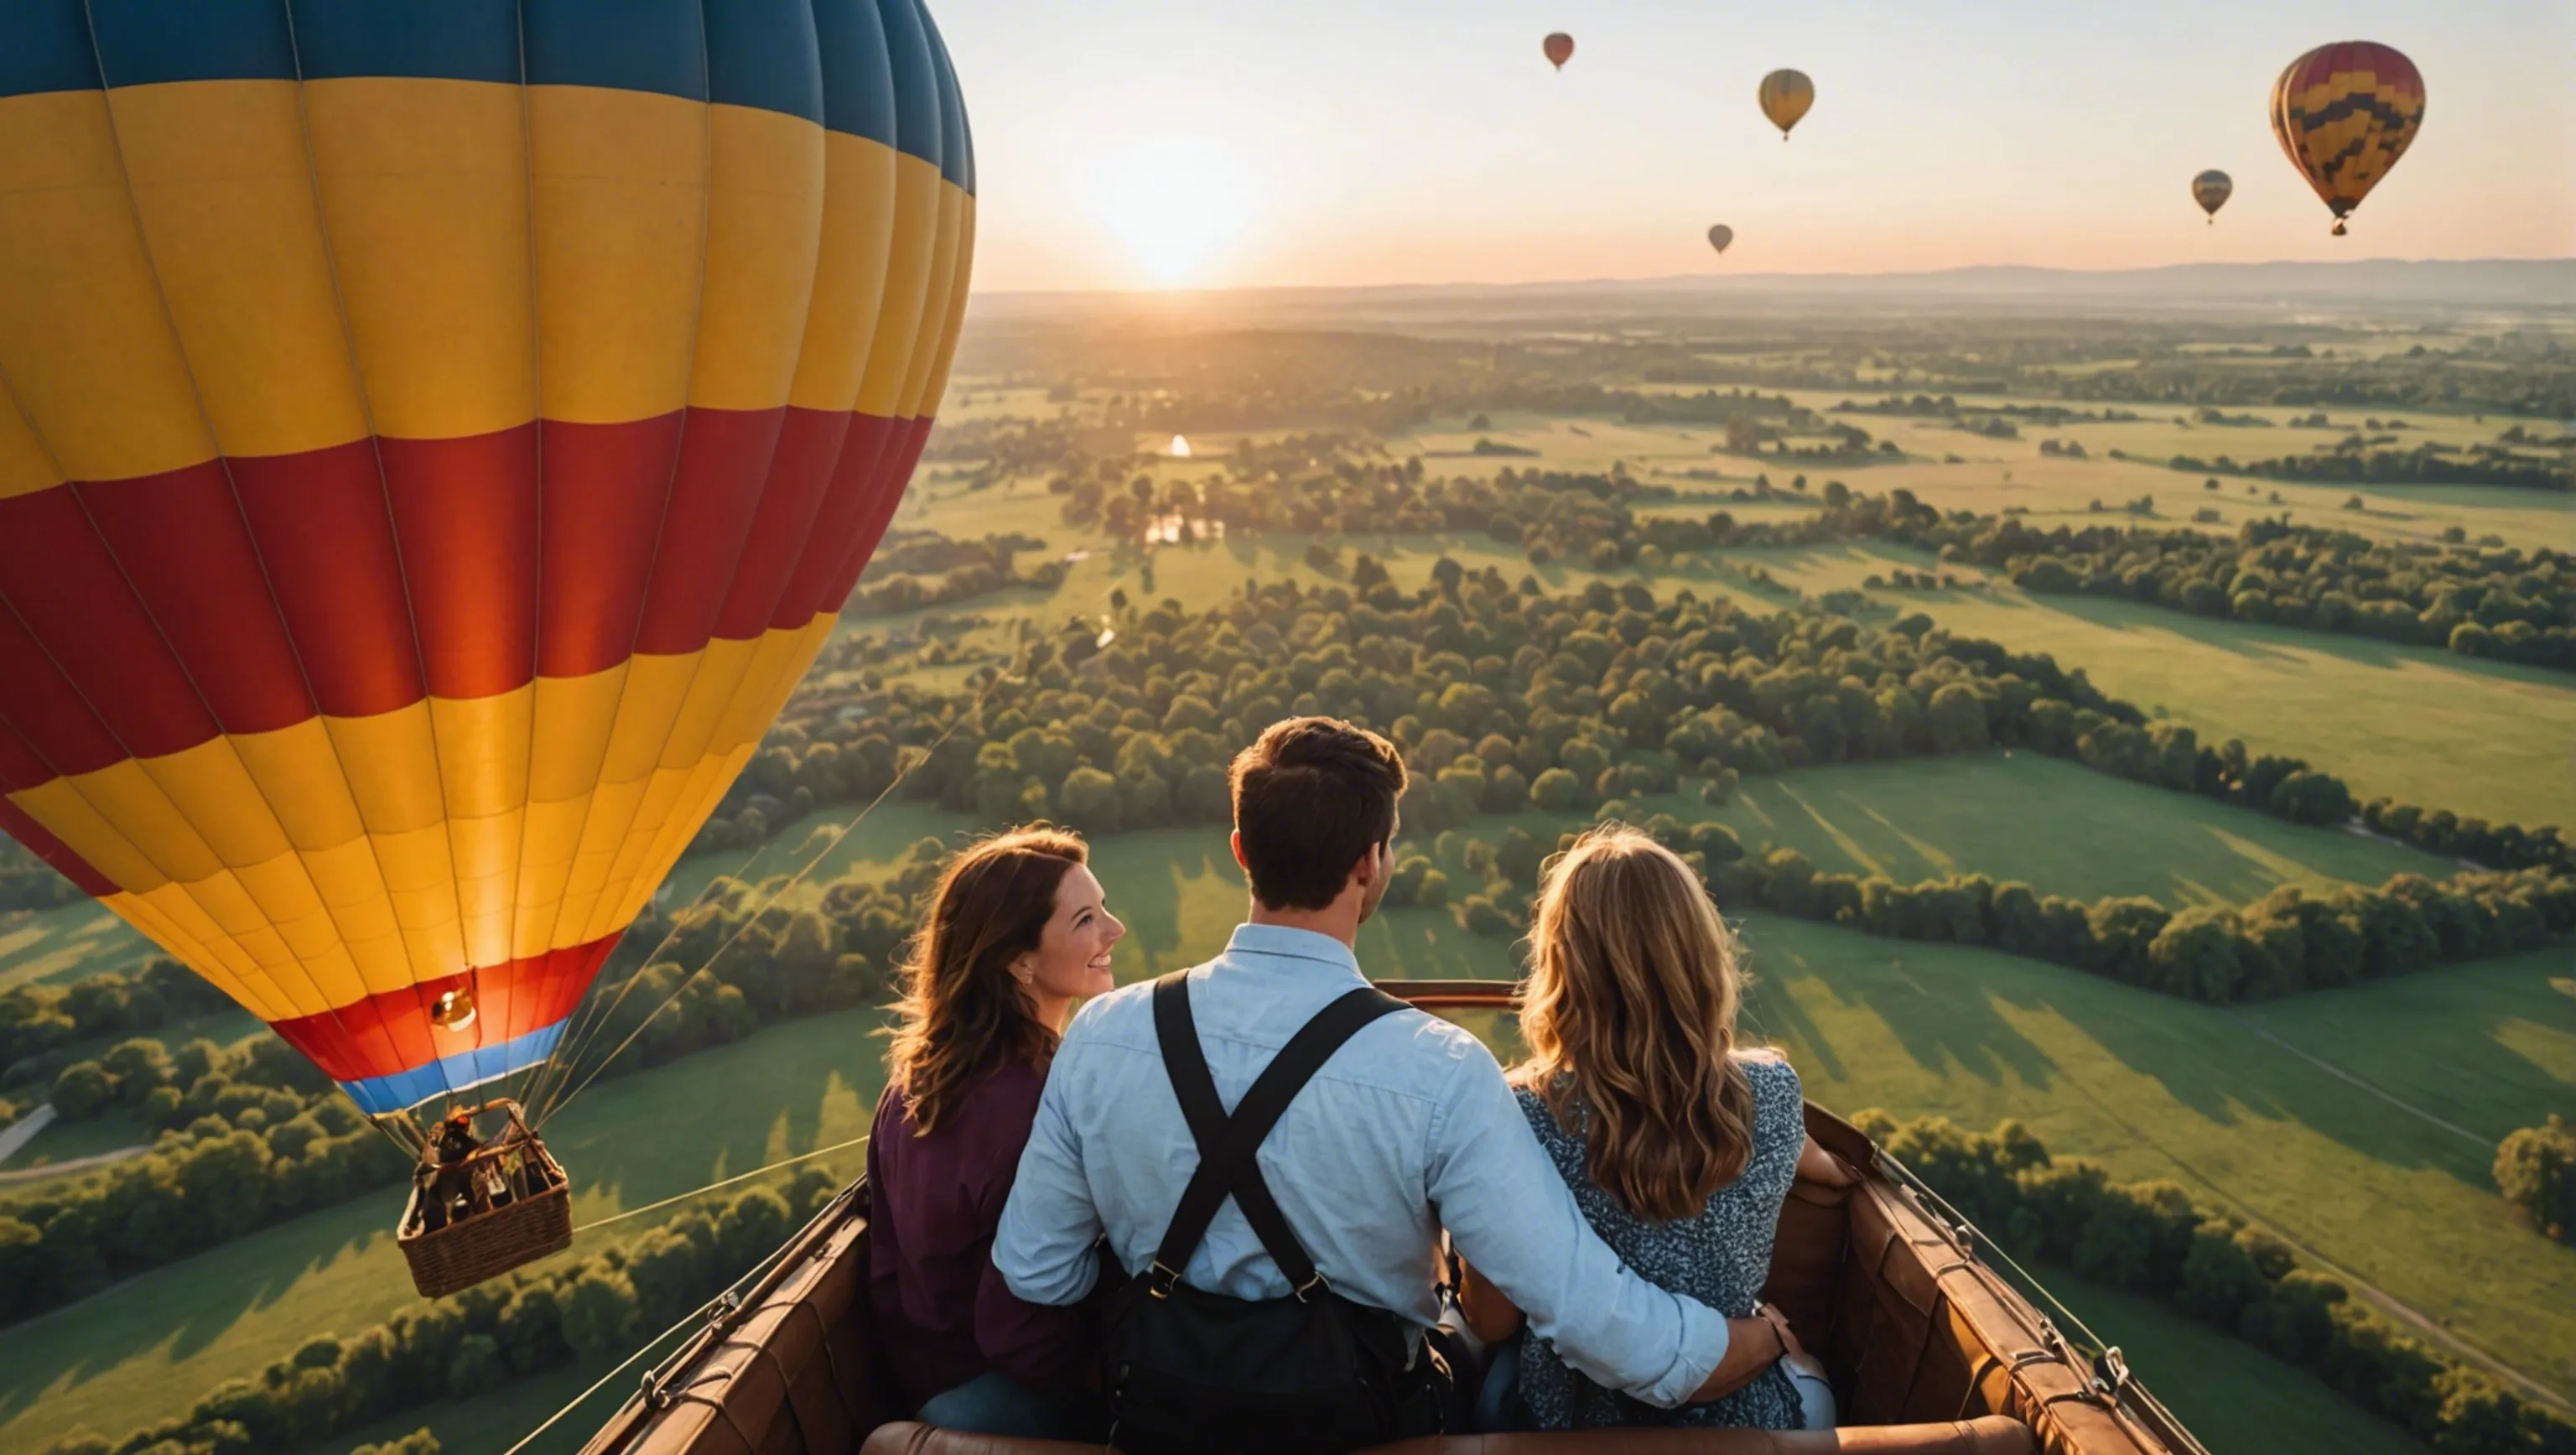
1560	49
1786	95
1719	236
433	442
2345	113
2211	189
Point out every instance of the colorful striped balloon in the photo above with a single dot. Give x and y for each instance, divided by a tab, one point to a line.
434	439
2344	113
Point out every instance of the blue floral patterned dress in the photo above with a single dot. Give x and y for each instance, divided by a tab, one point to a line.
1721	1256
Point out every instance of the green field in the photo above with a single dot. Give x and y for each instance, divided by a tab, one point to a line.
1991	475
2412	723
66	943
148	1347
2054	824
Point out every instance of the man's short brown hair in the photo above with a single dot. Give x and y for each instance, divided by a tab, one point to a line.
1311	798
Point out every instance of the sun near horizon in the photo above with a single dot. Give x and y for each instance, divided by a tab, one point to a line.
1211	144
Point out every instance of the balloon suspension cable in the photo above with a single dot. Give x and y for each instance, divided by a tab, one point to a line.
717	1306
636	1212
399	1129
546	1076
541	1114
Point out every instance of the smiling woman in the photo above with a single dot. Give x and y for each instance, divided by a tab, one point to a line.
1174	204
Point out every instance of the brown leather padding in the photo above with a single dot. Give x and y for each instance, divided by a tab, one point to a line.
1911	1328
1988	1436
797	1376
1929	1350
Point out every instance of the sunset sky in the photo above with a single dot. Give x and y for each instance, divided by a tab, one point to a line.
1218	143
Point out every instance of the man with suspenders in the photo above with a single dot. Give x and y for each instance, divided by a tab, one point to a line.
1283	1254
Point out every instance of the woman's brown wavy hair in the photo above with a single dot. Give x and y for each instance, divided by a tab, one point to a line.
1629	1015
962	1011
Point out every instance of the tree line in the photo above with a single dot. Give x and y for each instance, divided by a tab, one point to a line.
2353	463
2151	1239
39	1024
472	1343
2499	602
1506	698
248	1136
916	569
255	1134
2288	941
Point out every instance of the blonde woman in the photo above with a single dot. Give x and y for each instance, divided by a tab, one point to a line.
1679	1145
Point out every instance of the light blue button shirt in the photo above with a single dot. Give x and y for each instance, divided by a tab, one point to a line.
1409	1127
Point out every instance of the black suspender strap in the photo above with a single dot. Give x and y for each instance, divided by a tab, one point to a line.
1228	1144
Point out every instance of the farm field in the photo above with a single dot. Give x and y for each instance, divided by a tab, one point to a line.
2411	723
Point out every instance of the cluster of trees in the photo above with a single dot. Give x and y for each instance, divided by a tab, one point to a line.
2494	602
26	882
2539	380
2535	1169
2151	1239
170	1090
1502	697
2288	941
1506	696
240	1154
2354	462
39	1021
256	1133
723	966
469	1344
915	569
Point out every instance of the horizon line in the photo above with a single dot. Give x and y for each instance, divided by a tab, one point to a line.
1703	279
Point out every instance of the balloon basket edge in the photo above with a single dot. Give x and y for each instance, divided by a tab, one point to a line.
535	1222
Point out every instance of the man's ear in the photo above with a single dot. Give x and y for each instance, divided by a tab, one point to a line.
1234	841
1375	865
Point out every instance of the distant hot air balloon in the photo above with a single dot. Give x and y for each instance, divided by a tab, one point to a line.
1786	95
1719	236
2210	190
435	441
2345	113
1560	49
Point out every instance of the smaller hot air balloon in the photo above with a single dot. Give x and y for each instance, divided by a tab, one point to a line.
2210	190
2345	113
1786	95
1559	47
1719	236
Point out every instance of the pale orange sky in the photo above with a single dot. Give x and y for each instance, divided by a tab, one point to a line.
1214	143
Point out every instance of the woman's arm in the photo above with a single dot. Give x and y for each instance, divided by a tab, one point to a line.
1490	1316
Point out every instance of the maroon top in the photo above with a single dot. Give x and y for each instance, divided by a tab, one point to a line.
942	1313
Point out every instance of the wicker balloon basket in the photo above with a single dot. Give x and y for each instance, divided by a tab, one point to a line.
505	1203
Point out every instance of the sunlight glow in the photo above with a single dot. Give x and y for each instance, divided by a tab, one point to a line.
1176	203
1180	447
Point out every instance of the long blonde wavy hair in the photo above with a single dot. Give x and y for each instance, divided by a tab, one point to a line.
1629	1015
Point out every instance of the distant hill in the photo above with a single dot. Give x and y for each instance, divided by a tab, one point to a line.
2545	284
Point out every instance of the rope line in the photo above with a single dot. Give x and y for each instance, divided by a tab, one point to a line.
638	1212
723	1301
903	773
